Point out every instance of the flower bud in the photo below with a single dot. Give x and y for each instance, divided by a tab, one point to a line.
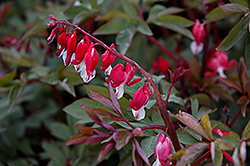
51	17
51	24
198	32
52	35
62	29
19	46
162	150
137	132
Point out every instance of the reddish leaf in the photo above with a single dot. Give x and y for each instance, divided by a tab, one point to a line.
244	101
114	99
85	130
242	71
136	157
105	149
76	139
231	84
191	122
191	153
101	98
140	152
97	138
97	119
121	138
108	114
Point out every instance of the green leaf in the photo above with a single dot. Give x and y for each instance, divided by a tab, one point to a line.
216	154
77	112
143	28
217	14
242	2
191	153
232	139
148	145
234	7
14	94
247	50
194	106
176	28
22	61
7	78
186	138
176	99
246	132
60	130
124	39
80	17
159	10
130	8
121	139
112	27
115	14
206	124
202	110
235	34
176	20
73	11
36	29
25	147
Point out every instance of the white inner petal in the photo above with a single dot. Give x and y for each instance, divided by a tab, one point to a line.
139	114
119	91
196	49
220	70
108	70
64	56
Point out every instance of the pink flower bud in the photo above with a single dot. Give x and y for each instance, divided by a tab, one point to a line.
198	32
121	76
90	62
81	50
137	132
19	46
71	46
52	35
10	41
161	63
27	46
51	17
51	24
62	29
162	150
140	99
107	59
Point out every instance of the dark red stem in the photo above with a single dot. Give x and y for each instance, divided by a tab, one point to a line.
167	120
163	128
202	158
168	95
235	118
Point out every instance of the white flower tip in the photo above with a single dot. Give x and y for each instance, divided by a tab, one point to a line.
156	163
119	91
220	70
139	114
108	70
196	49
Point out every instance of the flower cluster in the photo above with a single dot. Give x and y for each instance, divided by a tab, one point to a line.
85	58
199	34
162	150
218	62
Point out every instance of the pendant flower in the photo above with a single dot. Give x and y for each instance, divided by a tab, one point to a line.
87	67
81	50
141	97
162	150
121	76
218	63
199	34
107	59
52	35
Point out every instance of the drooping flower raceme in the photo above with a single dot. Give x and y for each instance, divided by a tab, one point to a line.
218	62
107	59
199	34
121	76
140	99
161	63
162	150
